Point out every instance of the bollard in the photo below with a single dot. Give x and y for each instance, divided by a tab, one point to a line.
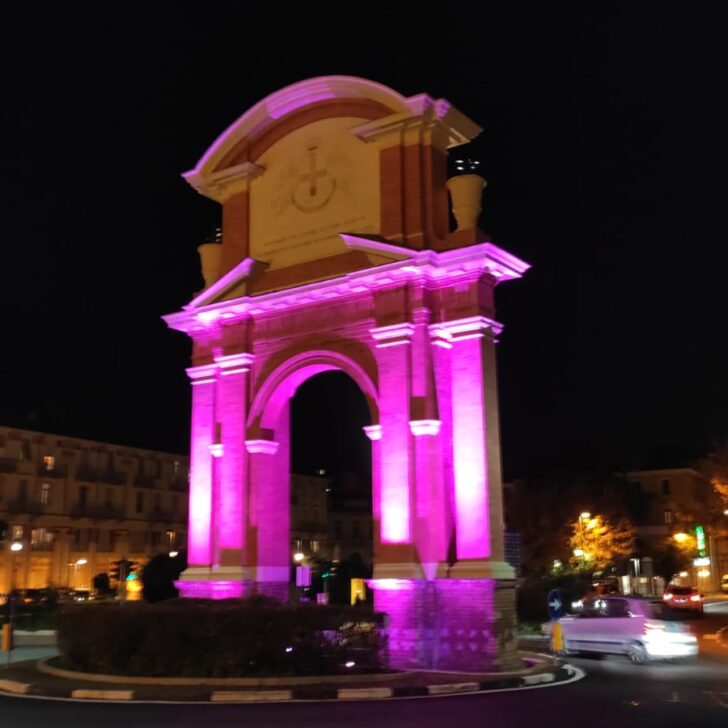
7	638
557	638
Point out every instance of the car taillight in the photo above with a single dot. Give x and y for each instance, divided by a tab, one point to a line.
695	598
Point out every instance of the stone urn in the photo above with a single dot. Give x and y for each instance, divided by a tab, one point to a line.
466	193
210	259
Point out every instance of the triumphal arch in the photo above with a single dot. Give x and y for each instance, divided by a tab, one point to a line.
337	254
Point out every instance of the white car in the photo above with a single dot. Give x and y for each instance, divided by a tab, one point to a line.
619	625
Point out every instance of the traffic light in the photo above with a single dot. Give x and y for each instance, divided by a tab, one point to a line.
130	570
124	570
115	570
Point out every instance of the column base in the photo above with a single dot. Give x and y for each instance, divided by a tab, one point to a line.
481	569
403	570
465	625
222	582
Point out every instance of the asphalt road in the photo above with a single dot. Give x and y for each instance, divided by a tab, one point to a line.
614	693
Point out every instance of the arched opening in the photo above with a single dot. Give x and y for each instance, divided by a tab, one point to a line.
331	491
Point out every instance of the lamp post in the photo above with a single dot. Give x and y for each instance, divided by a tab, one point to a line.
15	547
79	562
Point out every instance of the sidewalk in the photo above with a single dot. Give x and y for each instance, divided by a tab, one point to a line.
25	678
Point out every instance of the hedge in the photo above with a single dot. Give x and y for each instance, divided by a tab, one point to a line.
255	637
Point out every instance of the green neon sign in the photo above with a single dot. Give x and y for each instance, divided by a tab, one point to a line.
700	538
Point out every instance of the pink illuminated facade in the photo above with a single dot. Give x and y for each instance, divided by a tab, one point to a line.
402	305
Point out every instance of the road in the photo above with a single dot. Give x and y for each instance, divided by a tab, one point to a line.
614	693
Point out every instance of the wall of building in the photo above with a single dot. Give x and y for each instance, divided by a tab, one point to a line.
68	500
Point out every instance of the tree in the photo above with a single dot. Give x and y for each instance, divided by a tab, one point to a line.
102	584
596	543
159	575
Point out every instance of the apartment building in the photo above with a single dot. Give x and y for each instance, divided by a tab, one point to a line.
71	507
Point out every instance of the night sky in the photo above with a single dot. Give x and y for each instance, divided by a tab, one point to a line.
606	164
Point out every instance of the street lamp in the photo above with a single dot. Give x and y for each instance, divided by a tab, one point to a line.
16	546
78	562
173	554
298	557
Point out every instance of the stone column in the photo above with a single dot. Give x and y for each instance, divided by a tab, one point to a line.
476	450
201	485
270	491
396	556
374	433
232	465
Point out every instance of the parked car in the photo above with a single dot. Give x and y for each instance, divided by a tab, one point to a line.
626	626
683	598
724	583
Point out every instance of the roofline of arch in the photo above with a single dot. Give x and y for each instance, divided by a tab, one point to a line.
242	143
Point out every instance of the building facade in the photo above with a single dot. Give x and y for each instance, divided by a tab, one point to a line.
681	500
71	507
310	516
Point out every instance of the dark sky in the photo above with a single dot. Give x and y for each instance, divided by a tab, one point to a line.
603	148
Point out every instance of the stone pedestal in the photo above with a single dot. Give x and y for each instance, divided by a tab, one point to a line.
449	624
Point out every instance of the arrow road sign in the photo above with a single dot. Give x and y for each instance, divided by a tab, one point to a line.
555	604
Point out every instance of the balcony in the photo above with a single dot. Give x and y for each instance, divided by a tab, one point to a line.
21	506
8	465
87	473
144	481
113	477
161	514
57	471
103	512
179	484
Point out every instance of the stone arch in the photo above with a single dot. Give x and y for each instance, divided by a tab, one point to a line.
281	385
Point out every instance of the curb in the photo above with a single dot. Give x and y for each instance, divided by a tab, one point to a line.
564	673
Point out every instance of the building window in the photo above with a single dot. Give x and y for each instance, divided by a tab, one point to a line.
176	465
109	502
315	546
139	501
668	515
25	450
157	502
17	533
82	496
49	462
45	493
22	492
171	538
665	487
40	537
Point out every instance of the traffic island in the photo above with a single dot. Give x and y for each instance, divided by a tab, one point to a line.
44	679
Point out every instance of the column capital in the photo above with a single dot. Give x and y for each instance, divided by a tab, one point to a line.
203	374
373	432
394	335
217	449
265	447
233	363
472	327
425	427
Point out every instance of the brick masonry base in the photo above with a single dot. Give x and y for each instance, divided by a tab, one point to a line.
232	589
465	625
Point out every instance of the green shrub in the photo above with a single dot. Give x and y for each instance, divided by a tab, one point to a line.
227	638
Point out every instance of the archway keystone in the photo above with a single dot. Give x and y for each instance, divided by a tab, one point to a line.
336	255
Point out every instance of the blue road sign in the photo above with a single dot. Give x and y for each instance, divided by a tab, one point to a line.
555	604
